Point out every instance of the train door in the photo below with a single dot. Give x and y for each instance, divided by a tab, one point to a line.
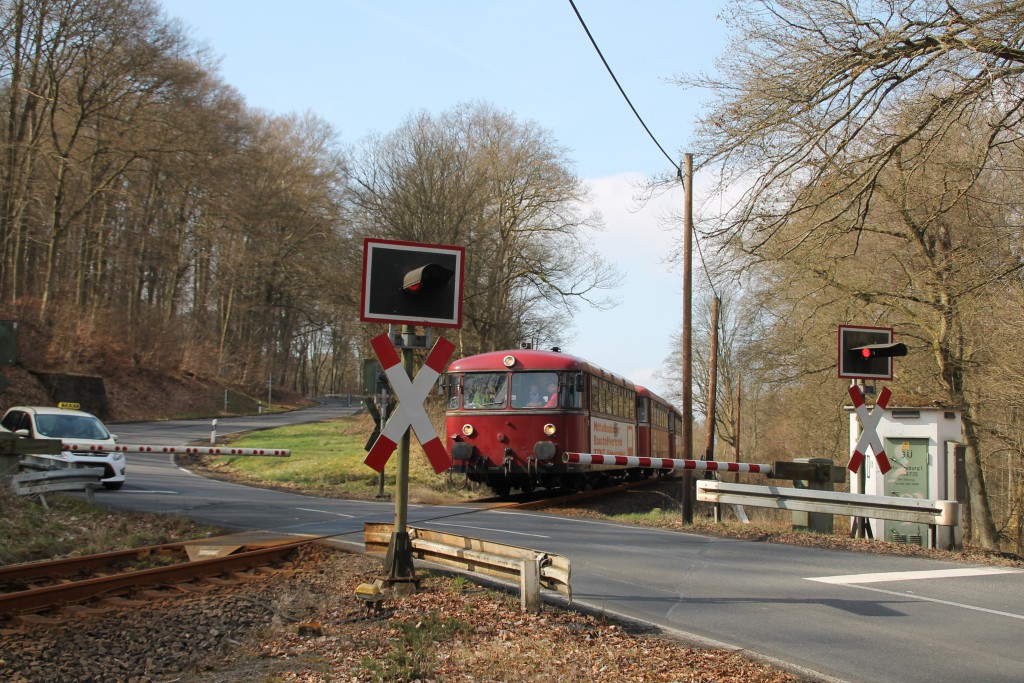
643	422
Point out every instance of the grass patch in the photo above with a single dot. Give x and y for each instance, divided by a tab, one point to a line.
73	527
654	517
327	459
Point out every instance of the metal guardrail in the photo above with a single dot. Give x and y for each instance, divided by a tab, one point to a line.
922	511
63	479
532	568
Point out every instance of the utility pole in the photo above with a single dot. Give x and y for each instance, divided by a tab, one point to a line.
709	448
738	424
688	492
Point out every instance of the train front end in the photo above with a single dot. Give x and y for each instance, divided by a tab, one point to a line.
510	416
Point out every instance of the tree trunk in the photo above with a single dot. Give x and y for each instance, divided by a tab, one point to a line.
981	512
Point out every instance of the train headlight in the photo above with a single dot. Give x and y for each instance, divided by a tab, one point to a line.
467	430
549	429
509	361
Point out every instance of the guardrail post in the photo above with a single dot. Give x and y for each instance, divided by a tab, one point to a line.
529	585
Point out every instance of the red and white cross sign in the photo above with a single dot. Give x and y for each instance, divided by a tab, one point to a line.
869	435
409	412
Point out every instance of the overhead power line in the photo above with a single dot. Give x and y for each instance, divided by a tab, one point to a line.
619	86
678	167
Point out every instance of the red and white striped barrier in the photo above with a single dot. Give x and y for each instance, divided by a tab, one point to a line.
186	450
663	463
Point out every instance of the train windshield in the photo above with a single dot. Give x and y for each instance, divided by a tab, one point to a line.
483	390
534	390
517	390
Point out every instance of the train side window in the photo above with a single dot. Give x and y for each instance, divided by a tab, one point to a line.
453	386
641	409
572	389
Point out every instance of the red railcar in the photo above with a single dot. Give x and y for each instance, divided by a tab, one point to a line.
654	422
512	414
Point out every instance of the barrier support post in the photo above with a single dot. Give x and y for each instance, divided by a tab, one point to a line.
529	586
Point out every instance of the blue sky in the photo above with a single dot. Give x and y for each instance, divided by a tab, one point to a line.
365	66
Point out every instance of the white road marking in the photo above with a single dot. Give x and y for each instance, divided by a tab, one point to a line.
850	579
326	512
483	528
857	581
941	602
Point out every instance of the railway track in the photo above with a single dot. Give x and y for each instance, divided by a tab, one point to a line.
45	588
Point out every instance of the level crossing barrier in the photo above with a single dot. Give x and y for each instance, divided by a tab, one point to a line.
934	513
664	463
183	450
532	568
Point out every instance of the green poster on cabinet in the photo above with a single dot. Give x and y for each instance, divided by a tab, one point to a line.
908	478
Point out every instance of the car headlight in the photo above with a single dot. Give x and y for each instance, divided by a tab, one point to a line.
118	455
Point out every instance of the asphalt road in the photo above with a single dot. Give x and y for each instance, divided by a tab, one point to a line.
846	616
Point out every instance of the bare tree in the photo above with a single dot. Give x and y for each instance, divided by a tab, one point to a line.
475	176
834	115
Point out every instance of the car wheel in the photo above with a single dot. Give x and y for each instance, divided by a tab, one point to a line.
113	485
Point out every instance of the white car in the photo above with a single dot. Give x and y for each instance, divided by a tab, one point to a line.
78	430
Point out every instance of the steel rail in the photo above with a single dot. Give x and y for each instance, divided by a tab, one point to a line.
36	599
73	565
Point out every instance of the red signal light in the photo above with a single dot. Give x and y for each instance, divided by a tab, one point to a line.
432	276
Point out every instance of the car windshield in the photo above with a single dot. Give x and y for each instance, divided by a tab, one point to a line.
70	427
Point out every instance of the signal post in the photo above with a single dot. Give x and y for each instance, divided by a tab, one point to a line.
409	284
866	353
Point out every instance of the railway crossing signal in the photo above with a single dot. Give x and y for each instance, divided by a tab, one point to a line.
869	429
410	412
867	352
426	279
410	283
881	350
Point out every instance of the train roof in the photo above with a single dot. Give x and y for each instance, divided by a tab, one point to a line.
644	391
532	359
